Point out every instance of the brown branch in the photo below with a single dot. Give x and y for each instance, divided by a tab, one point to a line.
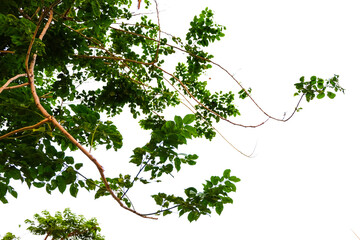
17	86
10	80
6	51
222	68
182	84
37	10
47	235
25	128
30	74
24	14
159	37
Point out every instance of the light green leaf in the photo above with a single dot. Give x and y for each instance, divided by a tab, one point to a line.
331	95
189	118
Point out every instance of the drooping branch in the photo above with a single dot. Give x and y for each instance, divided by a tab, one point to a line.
177	79
222	68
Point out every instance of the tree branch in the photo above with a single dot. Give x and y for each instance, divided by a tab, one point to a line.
5	51
10	80
25	128
225	70
17	86
163	210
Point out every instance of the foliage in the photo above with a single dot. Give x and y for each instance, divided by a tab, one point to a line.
9	236
64	225
317	87
49	50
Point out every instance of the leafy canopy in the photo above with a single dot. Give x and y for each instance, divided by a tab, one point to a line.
65	225
51	49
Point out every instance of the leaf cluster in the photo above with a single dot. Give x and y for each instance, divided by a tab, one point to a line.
318	87
213	196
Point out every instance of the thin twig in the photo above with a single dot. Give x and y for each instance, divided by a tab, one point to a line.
136	177
222	68
163	210
355	234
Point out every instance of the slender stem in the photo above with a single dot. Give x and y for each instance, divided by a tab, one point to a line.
136	177
163	210
222	68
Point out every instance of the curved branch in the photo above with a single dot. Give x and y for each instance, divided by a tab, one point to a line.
177	79
222	68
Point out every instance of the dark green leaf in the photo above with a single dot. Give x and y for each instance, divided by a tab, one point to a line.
78	166
74	190
61	183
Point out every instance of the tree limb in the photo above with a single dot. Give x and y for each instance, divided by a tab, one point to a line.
25	128
10	80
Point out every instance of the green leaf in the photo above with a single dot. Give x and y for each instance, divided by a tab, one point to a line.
74	190
189	118
12	192
191	192
90	184
78	166
193	216
3	190
219	207
331	95
214	180
321	95
61	183
226	173
178	121
39	184
3	200
234	179
177	163
191	130
96	7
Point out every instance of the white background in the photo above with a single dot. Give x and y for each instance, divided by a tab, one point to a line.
304	181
